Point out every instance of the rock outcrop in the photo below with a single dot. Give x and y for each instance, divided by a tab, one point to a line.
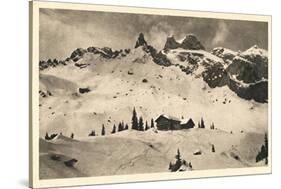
158	57
171	43
191	42
141	41
77	54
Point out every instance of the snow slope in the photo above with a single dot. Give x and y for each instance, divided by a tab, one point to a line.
117	154
114	93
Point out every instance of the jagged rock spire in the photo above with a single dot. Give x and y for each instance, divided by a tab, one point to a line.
190	42
141	41
171	43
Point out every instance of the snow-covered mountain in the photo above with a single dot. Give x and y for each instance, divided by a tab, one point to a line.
172	81
244	73
101	86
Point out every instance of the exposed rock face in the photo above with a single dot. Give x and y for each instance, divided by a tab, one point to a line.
171	43
161	59
107	52
141	41
77	54
248	74
259	57
158	57
51	63
257	91
84	90
191	42
215	75
244	73
70	163
226	54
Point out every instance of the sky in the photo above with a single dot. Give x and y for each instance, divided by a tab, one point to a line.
63	31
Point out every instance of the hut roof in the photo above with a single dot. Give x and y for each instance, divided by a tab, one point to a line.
168	117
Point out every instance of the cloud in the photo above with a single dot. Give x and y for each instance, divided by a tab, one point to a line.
158	34
221	34
62	31
58	39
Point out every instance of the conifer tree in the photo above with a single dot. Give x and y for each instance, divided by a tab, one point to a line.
123	125
103	130
212	126
72	135
47	136
199	126
152	123
126	127
190	165
120	127
170	166
263	154
202	124
135	120
178	156
113	129
266	148
213	148
178	161
146	126
141	128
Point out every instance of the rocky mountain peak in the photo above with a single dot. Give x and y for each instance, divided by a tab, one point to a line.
255	51
141	41
191	42
171	43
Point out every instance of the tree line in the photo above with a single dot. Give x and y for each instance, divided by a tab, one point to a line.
138	123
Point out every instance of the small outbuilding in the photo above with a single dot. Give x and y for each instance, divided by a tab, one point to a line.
187	124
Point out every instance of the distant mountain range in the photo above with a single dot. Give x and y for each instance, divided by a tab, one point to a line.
245	73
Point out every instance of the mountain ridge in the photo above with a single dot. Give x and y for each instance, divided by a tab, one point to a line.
245	73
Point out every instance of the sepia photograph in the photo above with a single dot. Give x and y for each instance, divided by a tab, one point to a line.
120	93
